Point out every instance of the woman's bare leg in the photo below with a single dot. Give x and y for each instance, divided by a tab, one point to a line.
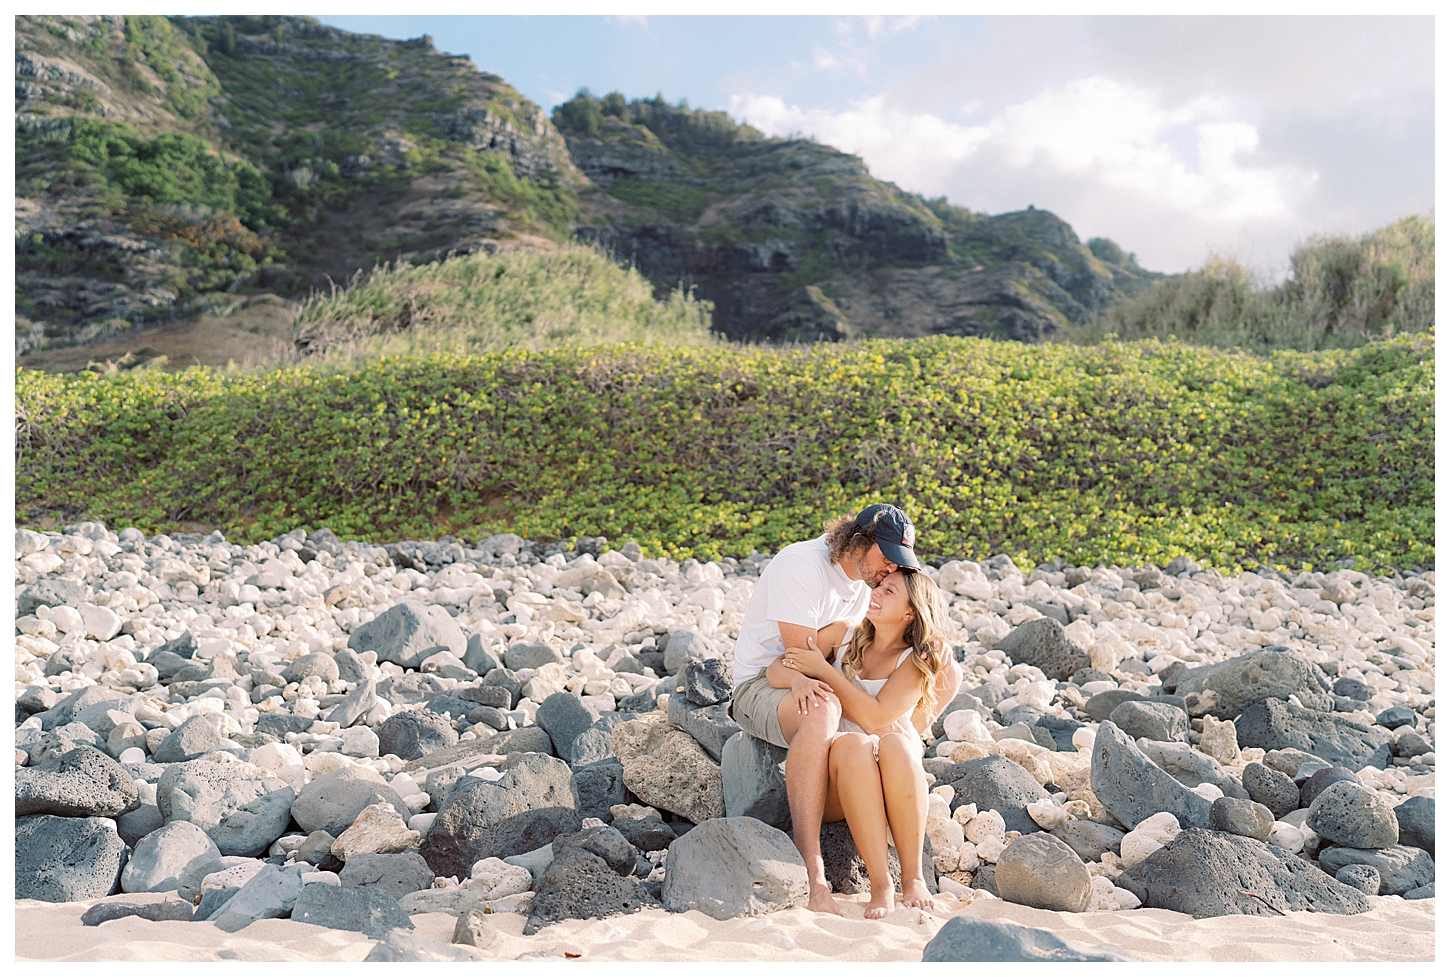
858	788
904	792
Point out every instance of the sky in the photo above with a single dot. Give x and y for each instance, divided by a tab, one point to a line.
1177	137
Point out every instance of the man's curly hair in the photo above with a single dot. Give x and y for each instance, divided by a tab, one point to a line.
844	538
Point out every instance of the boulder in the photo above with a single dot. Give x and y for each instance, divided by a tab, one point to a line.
710	726
1395	716
207	791
160	857
395	874
502	678
104	912
135	825
369	910
995	783
526	739
316	850
1226	689
66	709
1042	871
526	809
251	828
647	833
564	716
317	663
1347	813
706	682
270	894
606	842
1276	725
1206	873
846	869
478	658
1043	643
81	783
1401	868
67	859
1273	789
415	733
599	786
967	939
1132	788
355	705
728	867
667	769
1090	839
1190	767
409	632
1241	816
1365	878
43	747
579	884
51	592
1101	706
333	801
1157	721
205	872
1317	782
192	739
379	829
683	648
1416	817
530	656
752	774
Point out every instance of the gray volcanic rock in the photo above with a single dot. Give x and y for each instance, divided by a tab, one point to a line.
415	733
707	682
409	632
44	747
67	859
599	786
605	841
1190	767
753	776
82	783
1043	871
1133	788
728	867
333	801
66	710
1043	643
1416	817
1090	839
502	678
316	663
160	857
1352	815
1273	789
1151	720
369	910
192	739
1207	873
683	648
1241	816
393	874
1365	878
251	828
846	869
578	884
1101	706
135	825
530	656
355	705
564	716
527	809
995	783
1320	780
104	912
1276	725
269	894
710	726
1401	868
646	834
1226	689
51	592
966	939
205	792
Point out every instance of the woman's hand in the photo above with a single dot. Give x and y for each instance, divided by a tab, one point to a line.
808	661
806	692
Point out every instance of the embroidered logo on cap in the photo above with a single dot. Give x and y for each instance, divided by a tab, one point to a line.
908	535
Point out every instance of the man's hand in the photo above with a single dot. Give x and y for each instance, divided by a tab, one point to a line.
807	692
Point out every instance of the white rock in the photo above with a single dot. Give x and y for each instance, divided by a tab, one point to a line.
944	833
1287	837
1047	814
966	726
987	824
327	878
989	849
952	887
101	623
494	878
67	620
133	754
967	860
359	741
936	806
1100	896
1149	836
422	822
378	830
946	792
963	815
1207	791
1126	899
234	877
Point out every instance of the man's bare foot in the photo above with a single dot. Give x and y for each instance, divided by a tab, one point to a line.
915	894
820	901
881	904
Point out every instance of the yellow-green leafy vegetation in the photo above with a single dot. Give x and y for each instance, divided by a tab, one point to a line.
1342	292
1121	452
481	302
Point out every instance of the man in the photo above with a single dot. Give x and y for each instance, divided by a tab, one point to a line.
812	590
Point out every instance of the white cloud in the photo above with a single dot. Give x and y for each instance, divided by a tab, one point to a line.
852	61
877	25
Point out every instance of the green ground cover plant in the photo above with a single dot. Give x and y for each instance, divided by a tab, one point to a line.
1121	452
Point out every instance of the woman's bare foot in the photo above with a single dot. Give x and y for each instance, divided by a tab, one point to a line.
914	893
820	901
881	904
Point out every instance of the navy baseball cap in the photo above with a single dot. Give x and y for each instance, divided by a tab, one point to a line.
892	531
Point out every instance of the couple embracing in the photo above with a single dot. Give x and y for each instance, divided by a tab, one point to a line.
841	660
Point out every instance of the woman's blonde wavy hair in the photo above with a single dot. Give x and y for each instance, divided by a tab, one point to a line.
924	634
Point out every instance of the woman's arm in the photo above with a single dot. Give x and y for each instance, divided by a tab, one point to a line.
897	698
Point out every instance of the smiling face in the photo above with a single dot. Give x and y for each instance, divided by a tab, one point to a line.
889	603
872	567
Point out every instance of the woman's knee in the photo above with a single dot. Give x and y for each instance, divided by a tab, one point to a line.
852	750
897	750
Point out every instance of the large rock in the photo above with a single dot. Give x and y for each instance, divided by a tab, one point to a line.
1226	689
525	810
646	833
1271	788
67	859
1416	817
43	747
966	939
683	648
369	910
317	663
192	739
415	733
1277	725
846	869
395	874
1101	705
752	774
1401	868
706	682
606	842
710	726
379	829
1241	816
333	801
135	825
728	867
66	709
409	632
1190	767
1043	871
104	912
355	705
564	716
1347	813
578	884
1206	873
526	739
1321	779
530	656
160	857
1132	788
270	894
598	787
995	783
1044	644
1090	839
51	592
1151	720
82	783
251	828
208	791
667	769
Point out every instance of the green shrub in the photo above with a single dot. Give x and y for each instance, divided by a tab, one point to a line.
681	204
1342	293
1121	452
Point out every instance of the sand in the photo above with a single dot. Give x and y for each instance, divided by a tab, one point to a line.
1392	930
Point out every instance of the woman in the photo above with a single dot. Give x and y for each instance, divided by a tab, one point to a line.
892	676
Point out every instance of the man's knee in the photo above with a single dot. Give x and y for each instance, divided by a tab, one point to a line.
817	724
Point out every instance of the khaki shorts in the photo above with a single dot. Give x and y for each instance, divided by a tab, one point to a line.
755	709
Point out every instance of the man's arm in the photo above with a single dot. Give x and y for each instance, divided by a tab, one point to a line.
794	636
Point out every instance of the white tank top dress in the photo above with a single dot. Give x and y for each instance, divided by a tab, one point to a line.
872	687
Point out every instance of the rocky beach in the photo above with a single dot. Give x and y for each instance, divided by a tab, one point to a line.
310	749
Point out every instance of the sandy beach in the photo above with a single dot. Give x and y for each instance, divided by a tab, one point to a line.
1393	930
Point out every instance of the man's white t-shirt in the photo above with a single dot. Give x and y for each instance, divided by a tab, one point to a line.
799	586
